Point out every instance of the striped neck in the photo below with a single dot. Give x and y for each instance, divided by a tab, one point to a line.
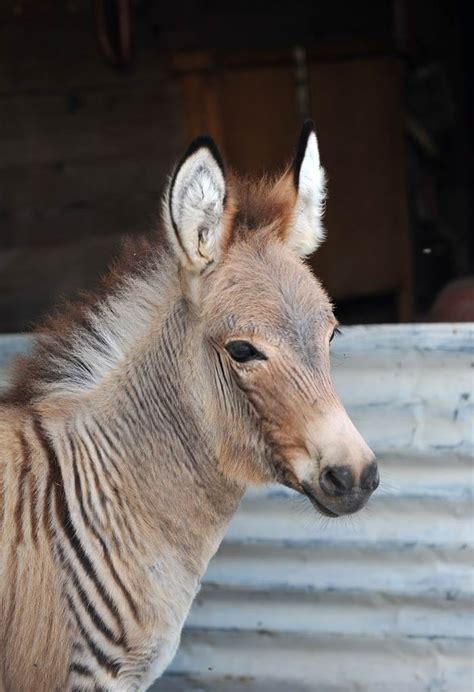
136	455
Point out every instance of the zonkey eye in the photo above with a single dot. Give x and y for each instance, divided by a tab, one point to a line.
335	331
243	351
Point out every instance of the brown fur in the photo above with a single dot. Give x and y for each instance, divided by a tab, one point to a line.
115	491
262	204
29	634
54	332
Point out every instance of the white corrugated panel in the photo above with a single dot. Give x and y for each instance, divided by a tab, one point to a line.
379	601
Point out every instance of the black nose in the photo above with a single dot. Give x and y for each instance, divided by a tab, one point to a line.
370	478
336	480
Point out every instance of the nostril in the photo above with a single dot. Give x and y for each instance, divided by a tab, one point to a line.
370	478
336	480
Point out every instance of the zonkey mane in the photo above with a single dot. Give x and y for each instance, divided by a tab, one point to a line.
75	326
84	338
200	368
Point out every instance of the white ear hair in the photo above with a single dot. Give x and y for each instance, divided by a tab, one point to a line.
195	206
307	231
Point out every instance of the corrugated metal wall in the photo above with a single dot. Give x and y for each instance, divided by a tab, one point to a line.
379	601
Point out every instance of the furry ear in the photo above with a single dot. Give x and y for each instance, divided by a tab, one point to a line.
306	231
195	205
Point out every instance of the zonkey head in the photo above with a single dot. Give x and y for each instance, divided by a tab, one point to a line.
265	325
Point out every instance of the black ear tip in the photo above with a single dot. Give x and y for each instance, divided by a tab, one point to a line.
205	142
308	127
306	130
201	142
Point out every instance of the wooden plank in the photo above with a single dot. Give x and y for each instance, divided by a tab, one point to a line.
33	280
260	119
250	111
118	121
52	184
357	106
81	219
50	203
85	150
58	49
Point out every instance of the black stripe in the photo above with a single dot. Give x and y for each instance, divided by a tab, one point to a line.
81	670
184	429
102	453
123	426
64	518
109	440
134	398
142	402
102	495
91	504
89	520
106	556
86	563
104	498
120	516
93	614
167	407
78	487
102	659
149	389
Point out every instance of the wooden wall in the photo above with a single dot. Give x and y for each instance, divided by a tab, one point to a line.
248	102
85	148
84	152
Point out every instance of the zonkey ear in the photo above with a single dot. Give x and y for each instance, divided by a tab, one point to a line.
195	204
306	231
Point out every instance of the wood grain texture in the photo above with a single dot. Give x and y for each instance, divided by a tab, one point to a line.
86	150
357	106
252	111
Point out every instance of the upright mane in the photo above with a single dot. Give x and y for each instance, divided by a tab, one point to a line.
83	339
200	368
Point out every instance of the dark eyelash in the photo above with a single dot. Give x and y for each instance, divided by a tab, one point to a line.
335	331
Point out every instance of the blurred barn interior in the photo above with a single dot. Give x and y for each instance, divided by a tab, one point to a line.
98	100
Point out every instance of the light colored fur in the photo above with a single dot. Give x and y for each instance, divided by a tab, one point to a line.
307	232
129	442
